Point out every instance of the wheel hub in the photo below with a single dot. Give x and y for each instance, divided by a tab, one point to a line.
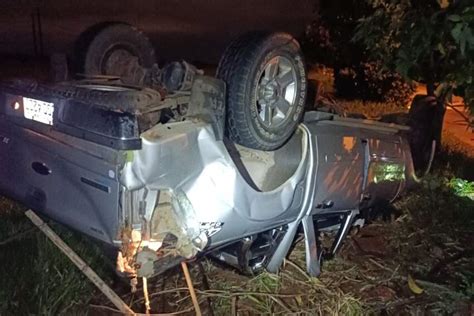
269	92
122	63
276	91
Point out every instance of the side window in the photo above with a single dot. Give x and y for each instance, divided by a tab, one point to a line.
383	171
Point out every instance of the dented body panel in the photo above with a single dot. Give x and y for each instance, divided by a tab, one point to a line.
186	157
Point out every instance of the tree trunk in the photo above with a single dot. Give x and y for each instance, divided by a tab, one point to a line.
430	89
438	120
438	113
426	122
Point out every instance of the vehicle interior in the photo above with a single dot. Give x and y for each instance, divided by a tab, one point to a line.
267	170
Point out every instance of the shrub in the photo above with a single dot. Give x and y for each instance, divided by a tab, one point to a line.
369	82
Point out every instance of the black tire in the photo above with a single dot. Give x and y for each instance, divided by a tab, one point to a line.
242	67
132	51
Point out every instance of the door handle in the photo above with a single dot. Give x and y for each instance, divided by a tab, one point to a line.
325	204
41	168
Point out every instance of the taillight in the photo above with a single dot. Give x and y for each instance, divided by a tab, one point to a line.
16	105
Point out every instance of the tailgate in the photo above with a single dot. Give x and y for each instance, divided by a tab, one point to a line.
70	180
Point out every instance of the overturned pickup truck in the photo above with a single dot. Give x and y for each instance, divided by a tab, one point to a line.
193	165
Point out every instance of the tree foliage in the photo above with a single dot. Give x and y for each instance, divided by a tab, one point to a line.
328	41
328	36
424	40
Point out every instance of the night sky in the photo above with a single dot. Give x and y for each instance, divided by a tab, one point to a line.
190	29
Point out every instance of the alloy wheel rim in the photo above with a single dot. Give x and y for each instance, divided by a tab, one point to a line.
276	92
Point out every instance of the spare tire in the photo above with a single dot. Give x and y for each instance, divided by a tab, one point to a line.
119	50
266	83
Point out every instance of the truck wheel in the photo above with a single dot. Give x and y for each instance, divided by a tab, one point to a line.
266	89
119	50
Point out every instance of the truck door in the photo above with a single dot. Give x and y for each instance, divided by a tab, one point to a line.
340	171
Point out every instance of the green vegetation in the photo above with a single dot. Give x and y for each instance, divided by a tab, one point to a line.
427	41
356	74
36	277
386	171
462	187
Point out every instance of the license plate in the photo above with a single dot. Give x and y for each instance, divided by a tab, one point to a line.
39	111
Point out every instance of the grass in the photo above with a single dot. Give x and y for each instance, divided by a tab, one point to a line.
455	157
432	241
371	110
36	277
292	291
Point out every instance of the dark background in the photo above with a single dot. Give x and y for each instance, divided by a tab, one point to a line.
179	29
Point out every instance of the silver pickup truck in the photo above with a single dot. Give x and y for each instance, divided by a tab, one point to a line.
158	175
